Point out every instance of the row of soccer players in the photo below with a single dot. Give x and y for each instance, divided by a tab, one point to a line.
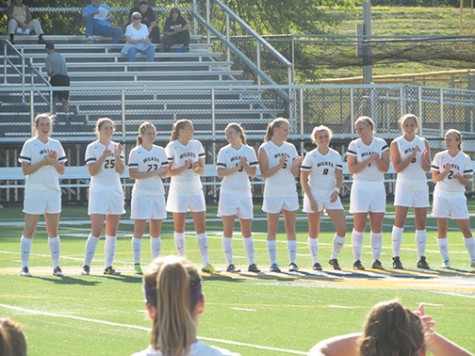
43	158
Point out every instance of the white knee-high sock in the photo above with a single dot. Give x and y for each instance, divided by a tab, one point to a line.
91	245
155	246
338	242
357	242
292	248
25	248
470	245
443	248
249	248
136	249
180	243
228	250
397	240
109	248
421	241
313	247
54	244
202	240
272	249
376	245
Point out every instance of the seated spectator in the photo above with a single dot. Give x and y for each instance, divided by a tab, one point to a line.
174	302
20	20
57	70
148	19
391	329
176	30
98	17
137	40
12	339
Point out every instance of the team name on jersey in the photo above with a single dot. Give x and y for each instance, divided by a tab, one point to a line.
364	154
455	166
149	159
187	154
330	164
235	158
282	154
45	151
409	150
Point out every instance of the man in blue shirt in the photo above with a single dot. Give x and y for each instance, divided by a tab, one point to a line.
98	16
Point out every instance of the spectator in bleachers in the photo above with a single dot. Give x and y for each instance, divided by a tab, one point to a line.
137	40
58	73
12	338
148	19
20	20
98	17
176	30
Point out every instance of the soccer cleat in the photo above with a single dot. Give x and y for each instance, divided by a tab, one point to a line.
446	264
57	272
397	264
275	268
253	268
138	268
422	263
358	265
293	267
86	270
208	268
317	266
25	272
112	272
232	269
377	265
334	263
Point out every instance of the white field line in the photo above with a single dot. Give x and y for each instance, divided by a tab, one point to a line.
136	327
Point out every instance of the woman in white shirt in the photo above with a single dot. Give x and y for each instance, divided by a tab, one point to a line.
236	163
137	40
368	160
279	163
410	155
42	161
175	302
186	159
105	163
321	177
148	164
451	173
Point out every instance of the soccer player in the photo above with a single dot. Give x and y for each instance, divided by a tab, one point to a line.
368	160
410	155
279	163
187	163
451	173
42	160
321	177
236	163
148	164
105	162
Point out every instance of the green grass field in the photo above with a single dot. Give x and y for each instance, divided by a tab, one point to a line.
264	315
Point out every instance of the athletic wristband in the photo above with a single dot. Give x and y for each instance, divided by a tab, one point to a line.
196	169
337	190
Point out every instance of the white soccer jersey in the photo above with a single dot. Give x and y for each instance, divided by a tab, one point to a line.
107	175
45	178
413	177
282	184
188	182
362	152
461	163
147	161
322	168
238	182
